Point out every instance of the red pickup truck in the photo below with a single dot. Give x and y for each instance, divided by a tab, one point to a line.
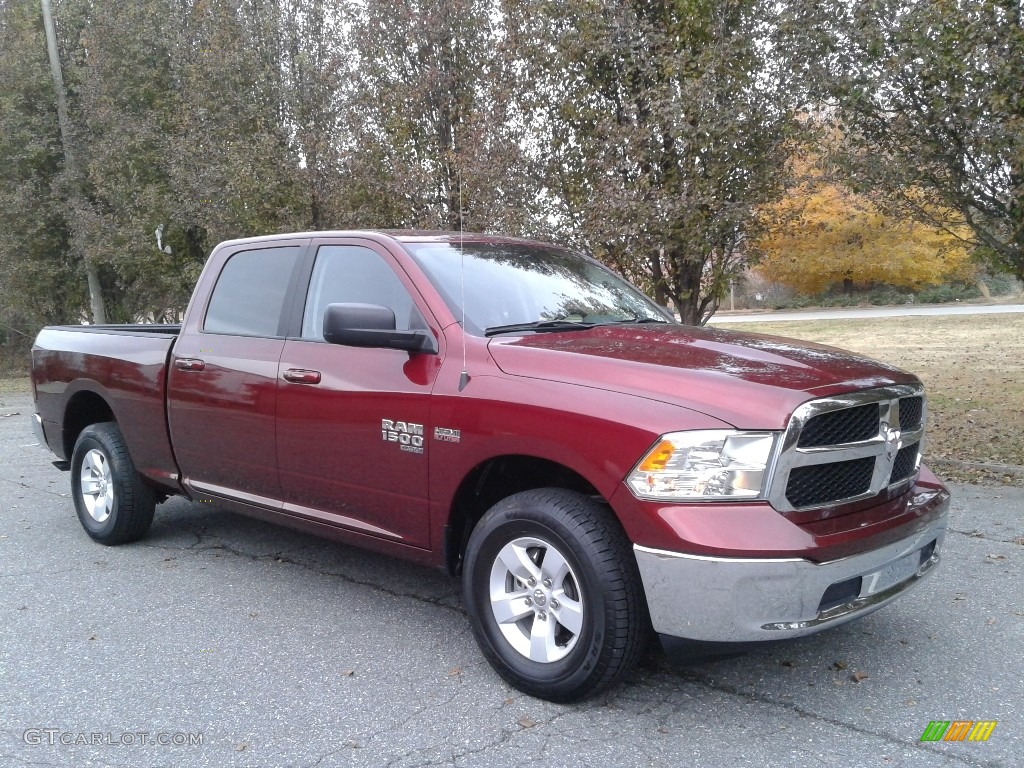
517	414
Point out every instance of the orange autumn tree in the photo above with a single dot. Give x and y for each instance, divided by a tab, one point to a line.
821	234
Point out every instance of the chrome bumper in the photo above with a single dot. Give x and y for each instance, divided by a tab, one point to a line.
738	600
37	429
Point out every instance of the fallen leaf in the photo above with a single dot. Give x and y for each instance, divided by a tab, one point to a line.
858	676
839	665
990	622
353	744
241	747
347	672
786	663
995	557
663	729
910	702
454	671
526	722
508	700
92	637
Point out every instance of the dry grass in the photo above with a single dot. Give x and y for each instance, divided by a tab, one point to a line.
972	368
18	386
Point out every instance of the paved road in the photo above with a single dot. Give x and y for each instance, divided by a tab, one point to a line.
284	650
868	312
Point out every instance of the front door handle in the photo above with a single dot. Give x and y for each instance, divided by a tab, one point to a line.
189	364
302	376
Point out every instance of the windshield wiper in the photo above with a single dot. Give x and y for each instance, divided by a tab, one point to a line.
633	320
539	325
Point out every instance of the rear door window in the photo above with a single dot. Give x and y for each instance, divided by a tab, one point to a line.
251	291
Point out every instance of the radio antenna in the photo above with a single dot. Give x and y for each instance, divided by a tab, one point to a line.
464	378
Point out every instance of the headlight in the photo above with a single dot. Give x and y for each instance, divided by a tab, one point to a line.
704	465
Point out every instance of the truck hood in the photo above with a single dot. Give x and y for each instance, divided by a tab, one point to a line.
749	380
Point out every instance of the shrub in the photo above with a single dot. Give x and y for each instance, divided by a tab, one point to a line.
947	292
1001	284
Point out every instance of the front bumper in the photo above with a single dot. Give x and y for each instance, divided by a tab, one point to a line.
37	429
719	599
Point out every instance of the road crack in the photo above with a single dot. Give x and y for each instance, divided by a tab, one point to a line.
889	738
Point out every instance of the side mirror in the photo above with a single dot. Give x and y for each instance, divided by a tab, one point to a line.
371	325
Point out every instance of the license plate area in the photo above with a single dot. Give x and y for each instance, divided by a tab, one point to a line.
891	574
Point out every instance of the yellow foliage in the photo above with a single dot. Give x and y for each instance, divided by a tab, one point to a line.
821	233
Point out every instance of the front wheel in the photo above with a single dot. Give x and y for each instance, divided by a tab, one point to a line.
114	504
553	594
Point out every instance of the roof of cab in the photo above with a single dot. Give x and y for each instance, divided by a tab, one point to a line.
399	235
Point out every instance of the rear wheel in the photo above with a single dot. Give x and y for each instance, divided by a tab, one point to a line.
553	594
114	504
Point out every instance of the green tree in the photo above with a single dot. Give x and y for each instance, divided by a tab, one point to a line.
929	92
315	60
663	124
430	125
184	123
40	282
123	104
230	155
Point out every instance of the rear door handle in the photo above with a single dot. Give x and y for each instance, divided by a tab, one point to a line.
189	364
302	376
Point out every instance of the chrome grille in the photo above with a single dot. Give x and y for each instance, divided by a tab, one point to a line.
842	449
911	412
849	425
823	483
906	463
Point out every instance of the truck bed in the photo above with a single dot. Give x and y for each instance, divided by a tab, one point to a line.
70	362
123	329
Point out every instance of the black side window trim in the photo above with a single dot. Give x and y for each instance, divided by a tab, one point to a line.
291	326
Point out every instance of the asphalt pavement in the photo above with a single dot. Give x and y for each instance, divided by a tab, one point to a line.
226	642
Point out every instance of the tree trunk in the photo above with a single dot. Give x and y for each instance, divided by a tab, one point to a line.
99	313
662	294
687	291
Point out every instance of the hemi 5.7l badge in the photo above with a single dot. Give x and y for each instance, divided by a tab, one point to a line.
447	435
409	436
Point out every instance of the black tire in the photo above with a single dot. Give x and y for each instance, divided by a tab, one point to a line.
114	504
570	654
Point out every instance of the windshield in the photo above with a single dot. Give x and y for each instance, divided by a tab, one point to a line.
527	284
